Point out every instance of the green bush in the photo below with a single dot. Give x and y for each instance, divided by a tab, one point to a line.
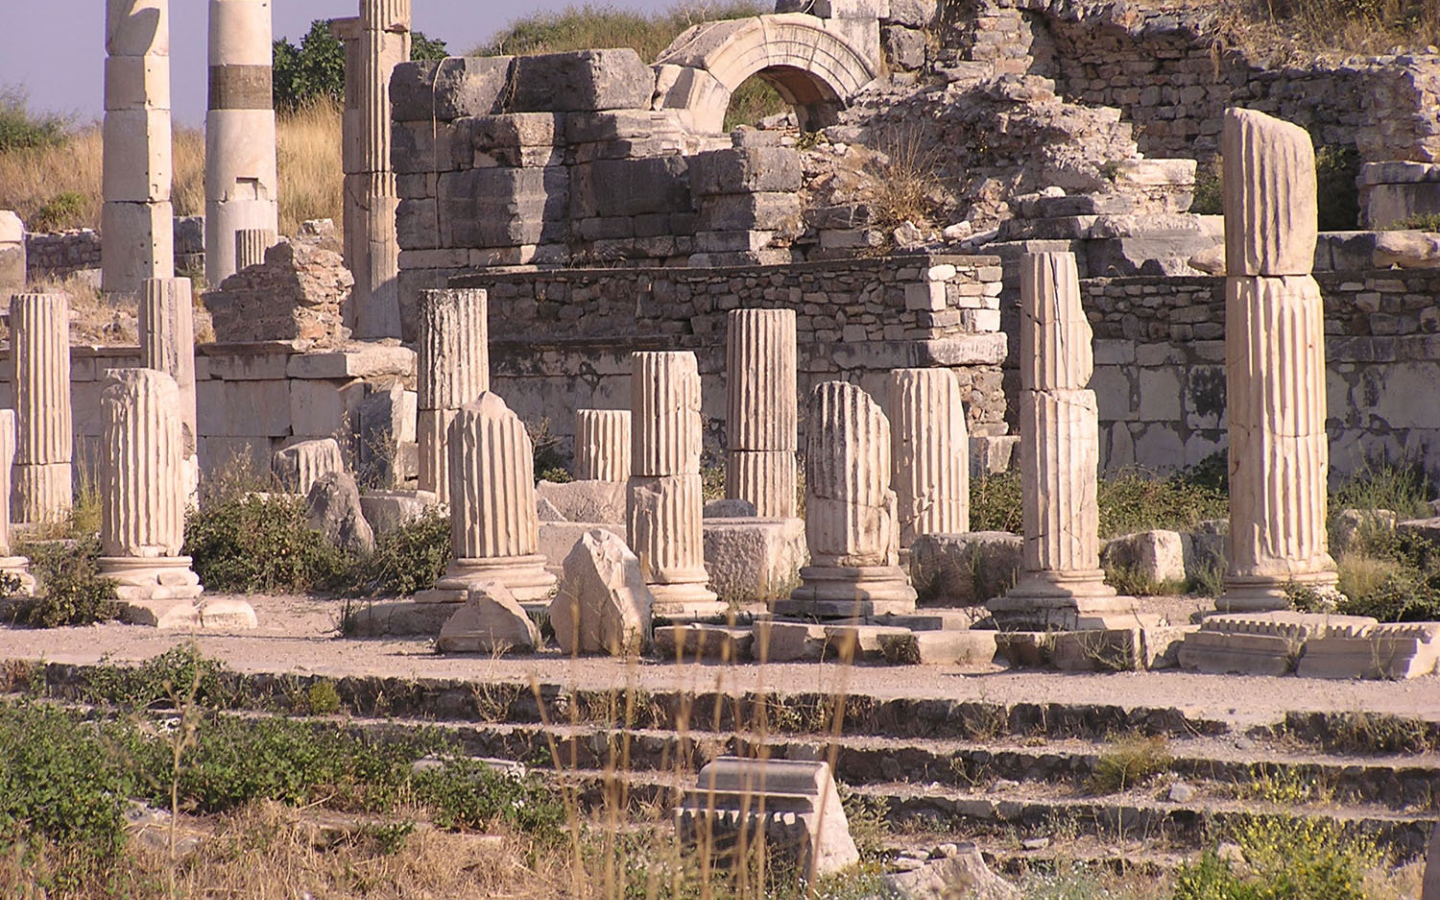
406	560
258	544
1418	222
65	210
20	129
1338	197
315	70
468	794
1381	483
1136	501
1130	761
996	503
71	589
1209	190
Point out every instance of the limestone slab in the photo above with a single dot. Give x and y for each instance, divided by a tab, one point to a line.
491	621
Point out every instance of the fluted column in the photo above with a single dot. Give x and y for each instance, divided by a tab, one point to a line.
167	342
17	567
849	510
241	184
665	497
760	414
40	346
376	42
602	445
931	453
1275	366
142	488
494	529
137	222
250	245
1061	583
453	360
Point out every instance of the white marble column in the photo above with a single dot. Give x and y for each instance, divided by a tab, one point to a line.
137	222
931	453
495	532
250	245
241	182
453	368
1061	583
167	342
849	511
760	410
17	567
40	347
665	498
602	445
1275	366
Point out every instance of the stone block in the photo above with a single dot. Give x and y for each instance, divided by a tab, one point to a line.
299	466
1407	249
632	187
1394	652
905	47
1156	556
940	648
754	559
318	408
853	643
402	617
1218	653
503	207
788	641
745	171
604	604
689	642
596	502
770	211
581	81
516	130
243	409
388	511
491	621
447	89
729	509
358	361
965	569
1097	650
334	511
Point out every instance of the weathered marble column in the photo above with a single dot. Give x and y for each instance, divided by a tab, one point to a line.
931	453
452	369
40	347
665	498
250	246
760	419
1061	583
136	222
167	342
17	567
241	183
494	530
602	445
375	43
1274	365
849	511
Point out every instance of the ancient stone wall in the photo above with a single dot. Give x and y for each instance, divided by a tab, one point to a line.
67	252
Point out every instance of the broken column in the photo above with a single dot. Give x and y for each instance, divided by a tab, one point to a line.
375	43
452	368
760	420
167	343
136	222
40	347
142	498
17	567
849	511
1061	583
250	246
665	499
241	184
931	453
1274	365
602	445
494	528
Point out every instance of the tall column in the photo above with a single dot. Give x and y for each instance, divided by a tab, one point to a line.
1061	583
494	530
931	453
760	401
665	498
453	368
40	346
849	511
241	184
1274	365
167	342
136	223
376	43
17	567
602	445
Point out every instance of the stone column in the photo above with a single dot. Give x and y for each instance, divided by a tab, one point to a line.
136	223
142	498
849	511
1274	366
931	453
375	43
167	342
17	567
760	420
453	368
665	498
250	246
241	184
40	347
495	532
1061	583
602	445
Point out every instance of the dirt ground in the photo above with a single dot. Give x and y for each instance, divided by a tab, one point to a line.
299	635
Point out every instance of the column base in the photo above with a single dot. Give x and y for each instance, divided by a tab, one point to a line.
151	578
19	567
845	592
1261	593
523	576
686	601
1060	601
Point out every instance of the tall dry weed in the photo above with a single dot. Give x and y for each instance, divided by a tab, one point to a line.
312	180
1333	28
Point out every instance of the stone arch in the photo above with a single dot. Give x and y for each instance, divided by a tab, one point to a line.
813	67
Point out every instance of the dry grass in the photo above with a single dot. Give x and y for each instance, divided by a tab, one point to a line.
308	153
1333	28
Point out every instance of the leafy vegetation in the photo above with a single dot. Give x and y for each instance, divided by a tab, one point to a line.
1336	194
258	543
1418	222
21	129
408	559
314	71
71	589
1130	761
1286	858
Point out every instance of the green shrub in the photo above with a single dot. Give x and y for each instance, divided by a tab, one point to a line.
468	794
259	544
1136	501
1288	858
995	503
1131	581
1209	190
315	70
1338	197
71	589
1130	761
20	129
1380	483
180	673
65	210
406	560
1419	222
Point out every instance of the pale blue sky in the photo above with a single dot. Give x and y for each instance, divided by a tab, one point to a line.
55	49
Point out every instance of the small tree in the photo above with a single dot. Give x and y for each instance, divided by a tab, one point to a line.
316	68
